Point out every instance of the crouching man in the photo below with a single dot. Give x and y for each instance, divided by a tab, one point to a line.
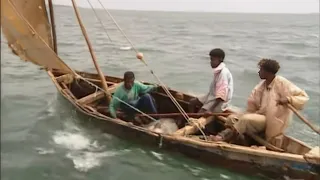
132	93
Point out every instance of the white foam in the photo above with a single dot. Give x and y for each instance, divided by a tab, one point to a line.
72	141
71	126
43	151
82	151
195	172
224	176
157	155
84	161
185	165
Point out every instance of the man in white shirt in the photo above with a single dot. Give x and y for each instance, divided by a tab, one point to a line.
220	90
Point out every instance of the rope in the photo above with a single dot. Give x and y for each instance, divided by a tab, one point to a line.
99	19
97	87
158	79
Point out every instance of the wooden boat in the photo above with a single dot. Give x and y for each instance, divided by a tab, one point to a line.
290	157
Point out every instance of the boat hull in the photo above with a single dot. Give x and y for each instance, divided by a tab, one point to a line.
239	159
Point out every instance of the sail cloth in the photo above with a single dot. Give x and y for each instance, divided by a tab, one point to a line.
26	27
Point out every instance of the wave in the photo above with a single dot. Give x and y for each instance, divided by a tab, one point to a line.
220	36
297	56
297	44
235	47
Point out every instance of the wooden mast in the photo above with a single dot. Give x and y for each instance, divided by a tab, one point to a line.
84	32
53	27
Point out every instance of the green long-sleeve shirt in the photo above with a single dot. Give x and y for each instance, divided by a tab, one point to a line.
128	95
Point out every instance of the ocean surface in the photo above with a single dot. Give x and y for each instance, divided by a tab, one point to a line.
41	135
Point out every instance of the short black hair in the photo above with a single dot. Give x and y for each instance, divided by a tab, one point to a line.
128	75
269	65
217	53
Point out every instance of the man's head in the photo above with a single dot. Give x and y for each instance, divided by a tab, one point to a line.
216	57
268	68
128	78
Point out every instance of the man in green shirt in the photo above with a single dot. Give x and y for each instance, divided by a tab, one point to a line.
134	93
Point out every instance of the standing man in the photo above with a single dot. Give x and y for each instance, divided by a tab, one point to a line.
221	88
267	109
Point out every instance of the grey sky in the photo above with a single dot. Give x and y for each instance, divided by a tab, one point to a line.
263	6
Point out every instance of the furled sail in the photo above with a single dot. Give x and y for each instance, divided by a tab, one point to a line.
26	27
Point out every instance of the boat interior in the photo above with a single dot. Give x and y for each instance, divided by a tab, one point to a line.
93	101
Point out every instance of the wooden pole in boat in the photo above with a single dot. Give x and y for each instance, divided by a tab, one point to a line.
315	129
53	27
189	114
84	32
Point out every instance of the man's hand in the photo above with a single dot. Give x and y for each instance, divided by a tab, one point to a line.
282	101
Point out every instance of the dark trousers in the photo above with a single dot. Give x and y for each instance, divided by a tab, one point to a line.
145	104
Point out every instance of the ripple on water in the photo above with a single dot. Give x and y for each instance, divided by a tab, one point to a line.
157	155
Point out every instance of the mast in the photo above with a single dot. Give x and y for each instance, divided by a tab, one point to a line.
84	32
53	27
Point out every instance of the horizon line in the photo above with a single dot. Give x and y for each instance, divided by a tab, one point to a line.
194	11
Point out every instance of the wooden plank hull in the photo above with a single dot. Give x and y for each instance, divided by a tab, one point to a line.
237	158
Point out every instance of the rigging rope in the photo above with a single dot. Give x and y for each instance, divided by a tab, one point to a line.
140	57
99	20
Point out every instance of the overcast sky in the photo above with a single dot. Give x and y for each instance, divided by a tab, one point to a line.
263	6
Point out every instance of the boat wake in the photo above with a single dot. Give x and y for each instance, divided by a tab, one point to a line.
84	152
74	141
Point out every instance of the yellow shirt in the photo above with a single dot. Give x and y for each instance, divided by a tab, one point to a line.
263	100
